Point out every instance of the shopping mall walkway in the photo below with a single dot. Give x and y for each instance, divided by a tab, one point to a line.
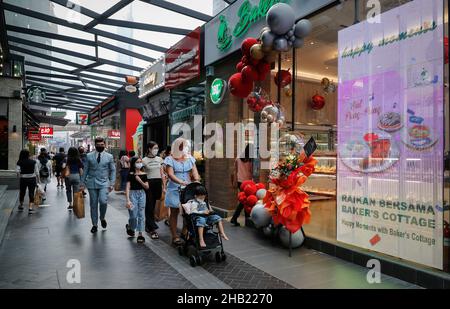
36	249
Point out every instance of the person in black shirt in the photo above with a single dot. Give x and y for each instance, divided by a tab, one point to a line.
28	171
59	158
135	194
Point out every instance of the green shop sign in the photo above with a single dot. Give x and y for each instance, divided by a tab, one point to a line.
217	91
248	15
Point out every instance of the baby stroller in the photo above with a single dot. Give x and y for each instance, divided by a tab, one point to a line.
191	246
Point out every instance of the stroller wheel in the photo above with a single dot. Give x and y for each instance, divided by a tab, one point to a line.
218	257
199	260
180	251
193	261
223	256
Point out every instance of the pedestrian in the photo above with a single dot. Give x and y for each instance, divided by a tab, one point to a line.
243	170
164	154
45	169
135	193
124	163
98	177
180	166
59	158
29	176
75	165
132	154
155	173
83	158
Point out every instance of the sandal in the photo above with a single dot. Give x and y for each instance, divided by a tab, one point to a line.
154	235
177	242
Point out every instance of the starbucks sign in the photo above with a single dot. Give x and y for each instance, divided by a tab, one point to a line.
217	91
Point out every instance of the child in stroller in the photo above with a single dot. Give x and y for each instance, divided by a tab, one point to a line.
200	221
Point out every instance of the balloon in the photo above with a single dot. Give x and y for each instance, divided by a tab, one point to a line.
242	197
267	38
270	118
317	102
250	189
297	238
260	216
245	183
261	193
303	28
260	186
240	66
256	52
291	144
280	44
262	32
247	45
280	18
283	78
238	87
251	200
298	43
264	67
249	74
268	231
325	82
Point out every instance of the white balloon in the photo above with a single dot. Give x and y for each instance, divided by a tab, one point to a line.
303	28
280	18
298	43
270	118
296	241
261	193
260	216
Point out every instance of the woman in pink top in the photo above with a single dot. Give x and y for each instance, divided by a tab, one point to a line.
243	170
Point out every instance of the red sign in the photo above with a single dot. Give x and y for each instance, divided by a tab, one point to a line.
34	136
183	60
114	134
46	132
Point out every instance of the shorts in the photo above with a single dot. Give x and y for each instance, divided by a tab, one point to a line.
210	220
58	171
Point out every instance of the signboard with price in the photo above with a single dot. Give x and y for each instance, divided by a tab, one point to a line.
46	132
114	134
34	136
82	119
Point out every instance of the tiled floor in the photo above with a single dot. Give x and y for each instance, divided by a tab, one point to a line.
37	247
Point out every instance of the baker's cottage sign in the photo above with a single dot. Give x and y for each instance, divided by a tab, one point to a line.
246	18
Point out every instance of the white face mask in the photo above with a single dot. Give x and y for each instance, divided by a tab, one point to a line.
201	200
155	151
139	165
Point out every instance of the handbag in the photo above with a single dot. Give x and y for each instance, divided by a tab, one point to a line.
78	205
161	211
65	172
38	197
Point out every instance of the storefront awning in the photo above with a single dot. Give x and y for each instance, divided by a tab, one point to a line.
56	121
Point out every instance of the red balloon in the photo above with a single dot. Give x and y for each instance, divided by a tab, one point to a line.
286	78
239	66
249	74
242	197
260	186
250	189
245	183
264	67
252	200
244	60
238	87
317	102
247	44
252	101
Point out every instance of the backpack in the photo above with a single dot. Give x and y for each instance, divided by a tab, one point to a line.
44	172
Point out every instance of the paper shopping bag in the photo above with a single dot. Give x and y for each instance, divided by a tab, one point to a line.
78	204
161	211
37	197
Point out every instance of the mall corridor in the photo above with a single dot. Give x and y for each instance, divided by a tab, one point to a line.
36	249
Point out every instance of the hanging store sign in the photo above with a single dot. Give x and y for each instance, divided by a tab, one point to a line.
36	95
390	134
183	60
46	132
82	119
34	136
152	78
246	18
114	134
217	91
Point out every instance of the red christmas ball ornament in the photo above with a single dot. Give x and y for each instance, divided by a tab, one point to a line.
240	66
247	44
252	102
250	189
244	184
249	74
252	200
238	87
283	78
317	102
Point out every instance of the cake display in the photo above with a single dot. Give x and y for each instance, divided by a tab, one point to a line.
419	137
390	122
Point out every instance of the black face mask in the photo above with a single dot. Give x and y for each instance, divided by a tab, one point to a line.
99	148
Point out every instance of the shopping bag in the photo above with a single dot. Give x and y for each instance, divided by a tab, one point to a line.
78	205
37	197
161	211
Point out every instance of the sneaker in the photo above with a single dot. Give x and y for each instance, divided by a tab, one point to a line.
31	211
140	239
104	224
235	223
94	229
20	208
130	232
70	207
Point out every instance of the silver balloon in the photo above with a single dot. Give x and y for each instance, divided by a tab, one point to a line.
303	28
267	38
298	43
290	43
297	238
280	18
280	44
260	216
261	193
268	231
290	33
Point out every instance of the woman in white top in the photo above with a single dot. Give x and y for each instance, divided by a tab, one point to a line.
45	169
155	174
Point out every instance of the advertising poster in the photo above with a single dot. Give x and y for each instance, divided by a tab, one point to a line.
390	133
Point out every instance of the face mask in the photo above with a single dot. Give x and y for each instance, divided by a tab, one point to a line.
139	165
201	200
99	148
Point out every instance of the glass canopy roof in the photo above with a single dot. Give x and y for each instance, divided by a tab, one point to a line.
79	51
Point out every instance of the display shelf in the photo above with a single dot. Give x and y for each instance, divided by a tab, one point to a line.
321	193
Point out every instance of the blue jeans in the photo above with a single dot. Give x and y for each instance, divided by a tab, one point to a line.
97	196
206	221
123	178
137	212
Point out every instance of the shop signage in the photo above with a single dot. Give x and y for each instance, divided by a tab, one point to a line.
186	113
152	78
390	134
59	114
82	119
218	90
114	134
36	94
46	132
183	60
34	136
246	18
157	106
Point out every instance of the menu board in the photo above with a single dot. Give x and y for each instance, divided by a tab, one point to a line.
390	133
